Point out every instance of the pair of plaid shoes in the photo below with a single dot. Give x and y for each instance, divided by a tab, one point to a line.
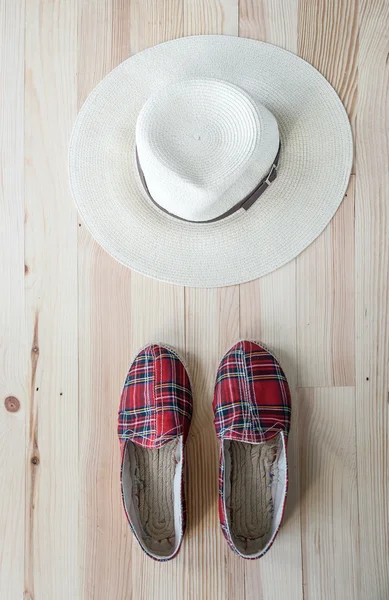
252	408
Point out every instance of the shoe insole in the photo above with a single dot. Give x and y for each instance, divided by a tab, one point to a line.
153	489
253	469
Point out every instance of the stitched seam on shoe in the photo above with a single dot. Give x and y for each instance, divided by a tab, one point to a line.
254	419
244	385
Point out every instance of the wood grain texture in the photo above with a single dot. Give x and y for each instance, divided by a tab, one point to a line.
105	543
325	271
267	317
208	313
326	299
13	349
104	304
164	306
153	22
328	39
212	327
119	312
72	320
51	545
203	17
372	298
268	314
157	309
329	496
273	22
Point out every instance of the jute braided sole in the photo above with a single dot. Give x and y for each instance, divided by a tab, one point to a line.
154	491
253	471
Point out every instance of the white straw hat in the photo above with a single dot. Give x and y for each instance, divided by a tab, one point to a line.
210	160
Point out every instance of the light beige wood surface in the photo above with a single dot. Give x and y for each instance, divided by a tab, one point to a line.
329	495
14	356
50	254
72	319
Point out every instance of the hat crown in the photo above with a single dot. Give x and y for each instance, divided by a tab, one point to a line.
203	145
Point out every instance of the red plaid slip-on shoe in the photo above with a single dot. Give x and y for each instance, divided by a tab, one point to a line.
252	409
154	419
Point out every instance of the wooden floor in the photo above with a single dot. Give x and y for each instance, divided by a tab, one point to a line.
72	318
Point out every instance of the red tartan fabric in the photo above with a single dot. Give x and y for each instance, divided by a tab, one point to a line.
156	402
252	398
252	403
156	407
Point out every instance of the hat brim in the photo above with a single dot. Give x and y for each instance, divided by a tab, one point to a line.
314	166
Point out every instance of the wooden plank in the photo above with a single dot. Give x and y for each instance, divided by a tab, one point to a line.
273	22
120	312
372	298
157	313
153	22
94	45
51	560
202	17
328	39
105	541
268	314
116	323
212	326
325	271
13	348
104	353
156	308
325	288
329	497
267	317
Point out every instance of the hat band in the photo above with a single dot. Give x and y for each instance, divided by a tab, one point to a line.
246	203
